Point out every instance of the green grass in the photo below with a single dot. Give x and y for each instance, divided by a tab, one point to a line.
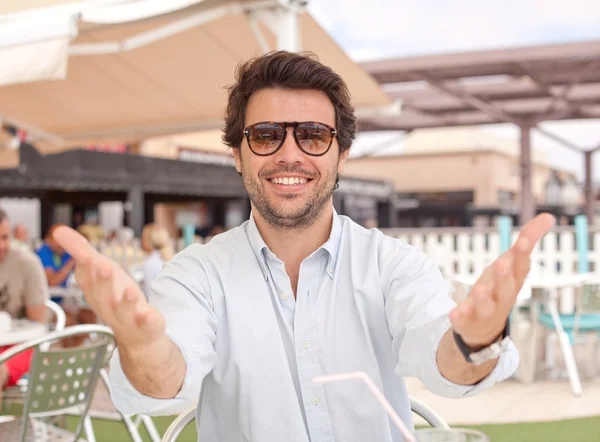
574	430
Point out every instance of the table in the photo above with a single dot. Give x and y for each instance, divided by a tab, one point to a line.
65	292
551	287
23	330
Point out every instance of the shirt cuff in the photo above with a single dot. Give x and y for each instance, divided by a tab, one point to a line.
505	367
128	400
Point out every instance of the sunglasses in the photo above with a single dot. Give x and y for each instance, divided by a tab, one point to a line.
313	138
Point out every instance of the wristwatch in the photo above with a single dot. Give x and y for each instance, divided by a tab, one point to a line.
485	354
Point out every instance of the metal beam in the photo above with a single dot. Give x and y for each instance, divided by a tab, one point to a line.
560	140
473	101
594	64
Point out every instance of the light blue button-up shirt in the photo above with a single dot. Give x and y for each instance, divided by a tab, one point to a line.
365	302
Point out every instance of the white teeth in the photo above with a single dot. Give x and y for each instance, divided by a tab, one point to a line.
289	181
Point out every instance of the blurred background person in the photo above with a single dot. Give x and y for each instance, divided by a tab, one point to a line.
57	263
158	244
23	292
58	266
20	240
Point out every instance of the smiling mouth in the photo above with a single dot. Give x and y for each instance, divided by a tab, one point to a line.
289	181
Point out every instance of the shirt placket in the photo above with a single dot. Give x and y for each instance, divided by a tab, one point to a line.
307	360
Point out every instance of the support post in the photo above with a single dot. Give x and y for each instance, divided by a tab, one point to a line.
589	189
135	197
527	202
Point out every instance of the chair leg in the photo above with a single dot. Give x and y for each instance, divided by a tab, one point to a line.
149	423
132	428
566	348
89	429
569	356
551	351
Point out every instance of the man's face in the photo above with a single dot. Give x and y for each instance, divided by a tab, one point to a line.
294	206
21	233
4	239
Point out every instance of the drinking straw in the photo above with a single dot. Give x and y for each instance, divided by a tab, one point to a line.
408	436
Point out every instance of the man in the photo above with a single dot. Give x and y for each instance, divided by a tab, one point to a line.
243	323
57	263
23	292
20	238
58	266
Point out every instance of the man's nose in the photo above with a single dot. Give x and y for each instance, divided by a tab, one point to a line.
290	152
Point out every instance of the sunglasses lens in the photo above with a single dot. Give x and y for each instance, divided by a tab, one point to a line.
265	138
314	138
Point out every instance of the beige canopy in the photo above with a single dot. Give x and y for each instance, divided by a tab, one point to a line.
157	75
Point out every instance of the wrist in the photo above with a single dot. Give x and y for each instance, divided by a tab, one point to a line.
481	344
138	350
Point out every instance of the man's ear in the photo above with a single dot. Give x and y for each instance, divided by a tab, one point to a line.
342	159
236	152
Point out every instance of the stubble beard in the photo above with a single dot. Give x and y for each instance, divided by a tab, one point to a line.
291	220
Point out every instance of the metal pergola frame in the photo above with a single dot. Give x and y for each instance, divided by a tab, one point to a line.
523	86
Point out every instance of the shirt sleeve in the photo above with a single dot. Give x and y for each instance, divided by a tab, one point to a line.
36	285
416	308
182	294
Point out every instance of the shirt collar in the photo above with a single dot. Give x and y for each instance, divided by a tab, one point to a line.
331	246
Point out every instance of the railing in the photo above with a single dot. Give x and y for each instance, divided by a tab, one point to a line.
470	250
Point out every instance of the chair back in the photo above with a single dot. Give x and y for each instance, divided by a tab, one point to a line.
587	306
417	407
63	380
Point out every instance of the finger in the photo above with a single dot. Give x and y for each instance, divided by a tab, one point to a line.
505	287
85	275
74	243
530	234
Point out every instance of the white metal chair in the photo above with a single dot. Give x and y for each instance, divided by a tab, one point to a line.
102	408
59	314
185	418
16	393
61	381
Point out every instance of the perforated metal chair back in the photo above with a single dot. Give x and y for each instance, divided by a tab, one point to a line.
417	407
63	380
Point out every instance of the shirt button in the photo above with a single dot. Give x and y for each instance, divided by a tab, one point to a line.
283	296
316	401
306	344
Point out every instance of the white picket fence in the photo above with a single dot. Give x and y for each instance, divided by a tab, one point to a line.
469	250
455	250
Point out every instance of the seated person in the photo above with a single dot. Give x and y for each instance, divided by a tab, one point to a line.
58	266
157	243
23	291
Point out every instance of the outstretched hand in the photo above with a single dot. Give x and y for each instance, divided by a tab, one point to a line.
480	319
111	293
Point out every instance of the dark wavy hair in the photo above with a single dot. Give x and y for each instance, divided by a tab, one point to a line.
287	70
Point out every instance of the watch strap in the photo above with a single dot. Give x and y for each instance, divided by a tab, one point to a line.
468	353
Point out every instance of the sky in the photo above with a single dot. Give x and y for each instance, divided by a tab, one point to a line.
375	29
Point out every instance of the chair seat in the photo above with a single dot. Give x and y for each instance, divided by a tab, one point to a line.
38	430
586	322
